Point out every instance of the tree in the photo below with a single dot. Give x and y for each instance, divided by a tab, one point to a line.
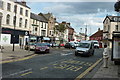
60	28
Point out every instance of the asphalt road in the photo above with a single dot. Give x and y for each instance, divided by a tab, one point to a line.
59	63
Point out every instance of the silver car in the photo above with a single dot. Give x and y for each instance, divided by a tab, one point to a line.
85	48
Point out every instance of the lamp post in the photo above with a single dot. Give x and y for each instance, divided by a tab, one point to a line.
14	28
0	25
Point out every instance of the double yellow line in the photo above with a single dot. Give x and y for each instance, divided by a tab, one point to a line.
18	59
88	70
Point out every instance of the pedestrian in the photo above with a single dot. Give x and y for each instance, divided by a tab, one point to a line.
105	56
1	48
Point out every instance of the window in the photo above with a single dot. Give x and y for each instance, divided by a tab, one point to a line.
104	28
8	6
45	25
116	27
1	4
26	13
15	8
42	25
14	20
50	32
107	21
43	32
20	22
8	19
26	21
36	29
108	28
21	11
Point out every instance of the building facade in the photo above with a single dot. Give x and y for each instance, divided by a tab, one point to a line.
39	27
15	22
110	27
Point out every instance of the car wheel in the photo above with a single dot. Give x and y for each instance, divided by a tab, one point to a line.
76	54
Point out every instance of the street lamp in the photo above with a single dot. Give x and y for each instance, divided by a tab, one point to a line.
14	28
0	25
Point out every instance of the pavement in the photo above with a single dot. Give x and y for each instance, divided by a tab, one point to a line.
8	54
113	71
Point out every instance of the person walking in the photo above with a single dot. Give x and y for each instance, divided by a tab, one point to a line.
105	56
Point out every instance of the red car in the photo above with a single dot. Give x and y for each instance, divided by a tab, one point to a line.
41	47
62	45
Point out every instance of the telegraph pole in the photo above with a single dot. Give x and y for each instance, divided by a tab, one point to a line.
86	32
14	28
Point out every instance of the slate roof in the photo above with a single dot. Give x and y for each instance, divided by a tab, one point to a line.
97	34
22	4
38	17
112	18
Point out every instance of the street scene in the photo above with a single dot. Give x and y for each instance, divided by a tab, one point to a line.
60	40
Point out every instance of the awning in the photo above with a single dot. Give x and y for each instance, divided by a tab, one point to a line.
46	38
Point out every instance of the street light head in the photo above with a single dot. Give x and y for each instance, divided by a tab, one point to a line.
117	6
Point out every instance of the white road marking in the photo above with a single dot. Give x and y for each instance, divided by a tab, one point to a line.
18	72
65	54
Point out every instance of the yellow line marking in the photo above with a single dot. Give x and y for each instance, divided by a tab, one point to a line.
86	71
18	59
43	68
26	73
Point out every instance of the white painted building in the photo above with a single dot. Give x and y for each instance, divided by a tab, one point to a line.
38	26
110	27
9	10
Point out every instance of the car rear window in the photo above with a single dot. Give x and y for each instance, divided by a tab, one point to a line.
84	45
40	44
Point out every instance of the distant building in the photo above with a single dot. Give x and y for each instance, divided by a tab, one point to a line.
110	27
98	36
51	23
9	9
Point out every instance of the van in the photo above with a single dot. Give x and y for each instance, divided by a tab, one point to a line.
85	48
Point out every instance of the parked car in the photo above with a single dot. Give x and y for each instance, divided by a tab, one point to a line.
48	44
42	47
85	48
31	45
54	44
75	43
62	45
70	45
96	44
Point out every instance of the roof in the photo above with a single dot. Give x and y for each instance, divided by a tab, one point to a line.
22	4
46	16
112	18
38	17
97	34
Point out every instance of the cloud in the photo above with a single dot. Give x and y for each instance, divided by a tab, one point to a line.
80	13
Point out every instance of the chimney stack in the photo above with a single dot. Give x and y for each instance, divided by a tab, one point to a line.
64	22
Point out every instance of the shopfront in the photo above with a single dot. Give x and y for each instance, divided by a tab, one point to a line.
16	36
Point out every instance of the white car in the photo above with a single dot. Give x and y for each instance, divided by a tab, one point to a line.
96	44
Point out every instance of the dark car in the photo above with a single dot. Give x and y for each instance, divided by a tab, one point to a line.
69	45
42	47
85	48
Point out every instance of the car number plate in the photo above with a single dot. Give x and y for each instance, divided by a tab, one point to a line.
80	52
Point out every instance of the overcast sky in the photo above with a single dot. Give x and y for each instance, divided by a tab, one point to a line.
77	13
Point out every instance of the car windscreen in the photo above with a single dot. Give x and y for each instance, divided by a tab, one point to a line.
40	44
84	45
95	42
31	43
